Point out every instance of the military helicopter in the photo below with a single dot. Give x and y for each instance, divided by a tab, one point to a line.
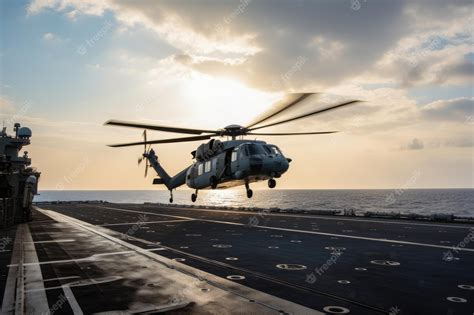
223	164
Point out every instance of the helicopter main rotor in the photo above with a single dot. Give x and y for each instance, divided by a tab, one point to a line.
234	131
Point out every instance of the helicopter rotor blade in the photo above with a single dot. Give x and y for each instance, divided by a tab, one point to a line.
291	133
159	128
288	102
173	140
319	111
144	138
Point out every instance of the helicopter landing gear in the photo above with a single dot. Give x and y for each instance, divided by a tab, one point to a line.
213	182
272	183
194	196
171	196
249	191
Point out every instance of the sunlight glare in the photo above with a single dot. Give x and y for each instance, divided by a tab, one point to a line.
217	102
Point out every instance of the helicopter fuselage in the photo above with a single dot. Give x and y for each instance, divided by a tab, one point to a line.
233	163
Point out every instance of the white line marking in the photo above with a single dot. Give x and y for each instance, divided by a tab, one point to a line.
72	300
61	278
84	283
94	257
269	302
9	294
28	277
144	223
54	241
316	216
316	233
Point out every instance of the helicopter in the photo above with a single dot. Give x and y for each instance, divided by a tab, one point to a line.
224	164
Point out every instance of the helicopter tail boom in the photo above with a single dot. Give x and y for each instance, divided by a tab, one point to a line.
170	182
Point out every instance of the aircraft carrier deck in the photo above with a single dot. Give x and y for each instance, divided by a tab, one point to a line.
130	258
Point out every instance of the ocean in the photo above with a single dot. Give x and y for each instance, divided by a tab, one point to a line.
459	202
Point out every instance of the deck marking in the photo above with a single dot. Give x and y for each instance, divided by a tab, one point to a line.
35	302
311	232
61	278
145	223
72	300
263	299
316	216
54	241
90	258
9	294
24	276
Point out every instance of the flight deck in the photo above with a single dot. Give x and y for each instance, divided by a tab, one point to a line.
88	258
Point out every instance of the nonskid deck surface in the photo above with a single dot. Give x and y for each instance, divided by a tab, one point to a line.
66	266
323	263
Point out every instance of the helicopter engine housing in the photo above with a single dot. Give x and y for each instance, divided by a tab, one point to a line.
208	150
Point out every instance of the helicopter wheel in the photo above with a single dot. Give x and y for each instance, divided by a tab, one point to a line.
171	200
193	197
272	183
214	182
249	193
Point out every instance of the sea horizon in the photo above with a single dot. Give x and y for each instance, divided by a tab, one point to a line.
456	201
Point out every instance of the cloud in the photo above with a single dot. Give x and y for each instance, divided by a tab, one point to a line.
49	37
458	109
73	7
258	42
415	144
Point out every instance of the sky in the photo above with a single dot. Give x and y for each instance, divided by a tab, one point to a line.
67	66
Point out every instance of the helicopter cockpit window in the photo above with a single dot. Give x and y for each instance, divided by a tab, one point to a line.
207	167
254	149
200	169
272	150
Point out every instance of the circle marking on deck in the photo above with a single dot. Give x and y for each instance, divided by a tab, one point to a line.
291	267
385	262
235	277
336	310
456	299
466	287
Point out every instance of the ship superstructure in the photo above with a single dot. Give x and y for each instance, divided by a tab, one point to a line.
18	180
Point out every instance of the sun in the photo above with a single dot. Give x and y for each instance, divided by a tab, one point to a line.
220	101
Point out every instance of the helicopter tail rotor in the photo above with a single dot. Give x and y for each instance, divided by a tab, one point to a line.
146	151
